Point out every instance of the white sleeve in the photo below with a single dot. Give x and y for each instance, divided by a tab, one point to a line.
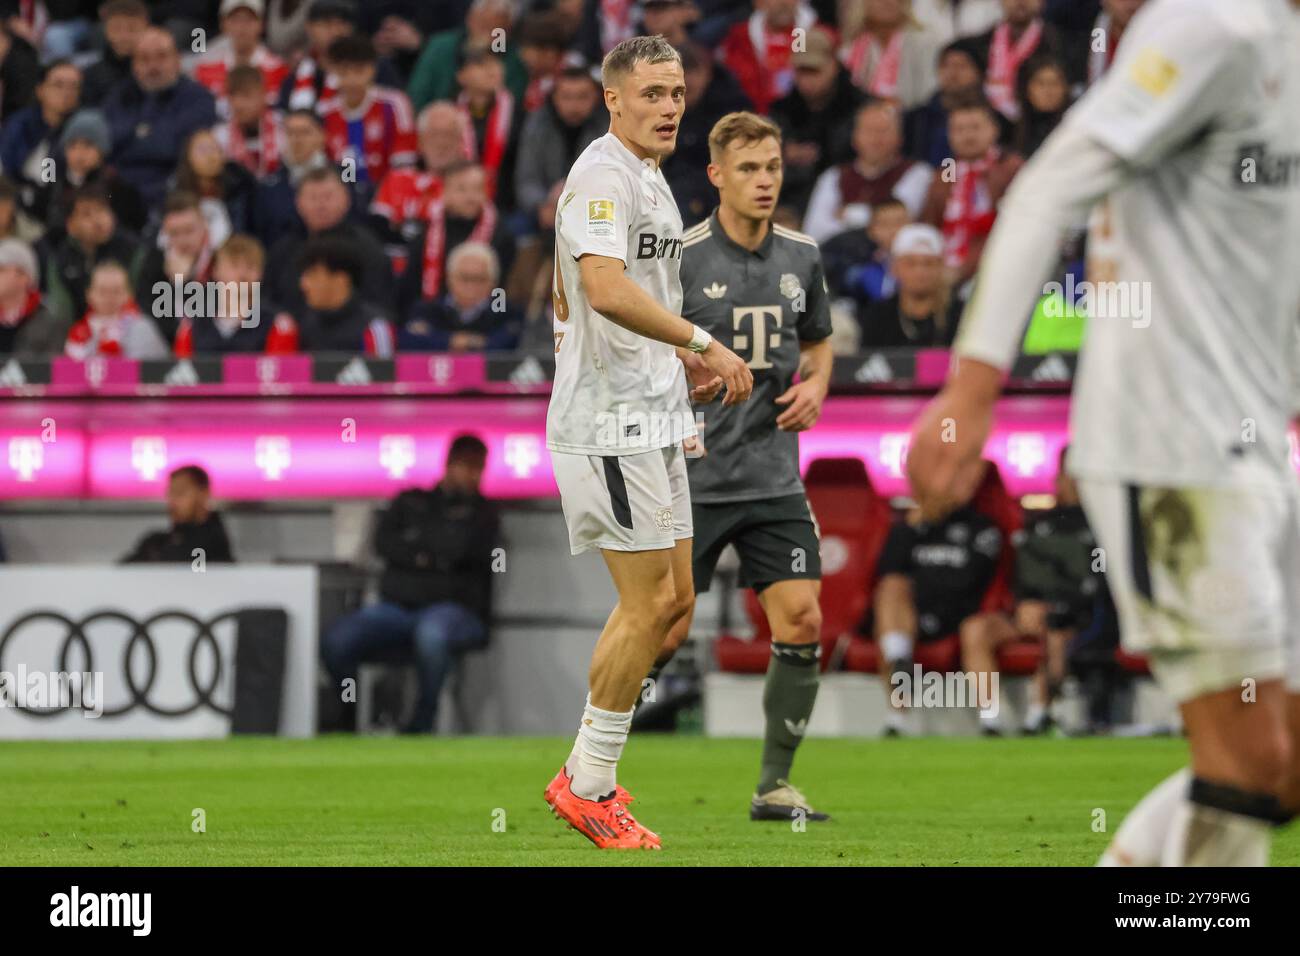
1070	172
822	220
912	189
595	214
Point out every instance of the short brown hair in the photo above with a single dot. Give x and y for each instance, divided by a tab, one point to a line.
244	77
623	59
243	248
124	8
743	125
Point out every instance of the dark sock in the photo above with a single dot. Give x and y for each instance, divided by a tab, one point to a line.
789	693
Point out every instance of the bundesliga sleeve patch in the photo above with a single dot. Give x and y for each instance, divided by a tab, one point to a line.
1153	71
600	218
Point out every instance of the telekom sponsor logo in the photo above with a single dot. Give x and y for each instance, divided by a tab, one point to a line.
1026	452
523	453
149	456
397	454
893	452
272	455
26	457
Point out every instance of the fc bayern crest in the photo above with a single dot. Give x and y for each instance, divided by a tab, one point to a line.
790	286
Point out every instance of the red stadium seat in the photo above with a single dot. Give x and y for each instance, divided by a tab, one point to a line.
854	523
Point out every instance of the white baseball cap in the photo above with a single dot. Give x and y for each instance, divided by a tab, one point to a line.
16	253
917	239
230	6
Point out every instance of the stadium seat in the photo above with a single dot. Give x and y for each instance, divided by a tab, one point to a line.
854	522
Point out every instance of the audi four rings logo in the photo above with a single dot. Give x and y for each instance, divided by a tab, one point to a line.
139	688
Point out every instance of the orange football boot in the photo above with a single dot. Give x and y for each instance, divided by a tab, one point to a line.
606	823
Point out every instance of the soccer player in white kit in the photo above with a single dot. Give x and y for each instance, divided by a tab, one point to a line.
1181	409
620	411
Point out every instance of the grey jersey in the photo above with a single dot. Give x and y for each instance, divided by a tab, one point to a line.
761	305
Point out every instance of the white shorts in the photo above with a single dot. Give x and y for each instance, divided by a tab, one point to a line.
1206	580
638	502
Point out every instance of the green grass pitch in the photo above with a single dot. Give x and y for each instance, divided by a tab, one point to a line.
428	801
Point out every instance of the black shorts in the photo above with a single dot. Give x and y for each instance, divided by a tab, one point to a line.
776	538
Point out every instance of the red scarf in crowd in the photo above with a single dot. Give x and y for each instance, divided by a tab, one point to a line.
1004	65
435	243
100	334
969	212
262	159
496	138
875	69
615	23
304	96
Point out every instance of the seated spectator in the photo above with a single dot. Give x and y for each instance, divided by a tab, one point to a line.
472	316
963	204
711	93
571	116
244	321
225	189
182	254
844	194
932	577
19	72
435	75
436	590
1043	92
334	317
1110	25
90	236
123	23
153	114
197	531
252	136
26	326
369	129
758	50
811	116
323	203
925	127
1057	587
857	260
922	312
113	325
30	136
275	212
542	38
84	147
464	213
1020	34
313	85
401	206
891	57
492	117
14	221
239	44
397	33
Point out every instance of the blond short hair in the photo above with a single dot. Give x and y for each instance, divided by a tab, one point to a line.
622	60
744	126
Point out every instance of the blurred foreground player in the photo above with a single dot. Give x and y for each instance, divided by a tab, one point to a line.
619	411
1182	404
759	287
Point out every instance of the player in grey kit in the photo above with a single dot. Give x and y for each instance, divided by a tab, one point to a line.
758	288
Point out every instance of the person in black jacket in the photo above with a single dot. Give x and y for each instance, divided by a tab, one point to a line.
197	532
436	589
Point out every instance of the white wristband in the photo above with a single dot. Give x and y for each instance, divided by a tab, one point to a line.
699	340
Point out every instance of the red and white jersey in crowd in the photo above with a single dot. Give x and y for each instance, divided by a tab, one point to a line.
282	339
260	154
211	69
405	194
379	134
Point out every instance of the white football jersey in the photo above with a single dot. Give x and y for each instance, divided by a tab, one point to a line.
615	392
1194	255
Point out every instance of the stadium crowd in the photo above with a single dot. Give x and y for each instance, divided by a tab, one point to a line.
388	172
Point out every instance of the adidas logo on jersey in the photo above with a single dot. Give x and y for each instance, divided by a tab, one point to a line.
714	291
11	376
874	369
1051	369
182	373
356	372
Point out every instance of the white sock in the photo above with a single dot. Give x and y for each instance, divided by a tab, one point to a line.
1201	835
991	720
1034	714
593	762
895	646
1141	838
